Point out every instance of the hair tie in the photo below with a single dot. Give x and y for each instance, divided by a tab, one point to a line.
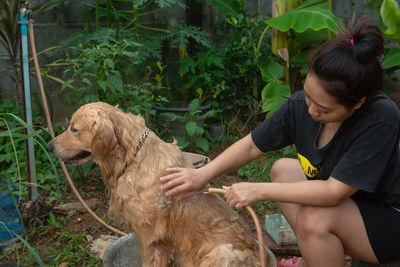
352	41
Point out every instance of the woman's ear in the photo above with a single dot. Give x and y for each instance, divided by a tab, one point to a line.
104	141
360	103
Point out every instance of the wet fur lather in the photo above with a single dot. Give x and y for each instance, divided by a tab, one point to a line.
200	231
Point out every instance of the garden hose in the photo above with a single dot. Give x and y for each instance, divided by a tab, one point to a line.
47	114
70	182
256	222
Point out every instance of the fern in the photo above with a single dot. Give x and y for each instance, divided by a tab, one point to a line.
182	33
103	35
169	3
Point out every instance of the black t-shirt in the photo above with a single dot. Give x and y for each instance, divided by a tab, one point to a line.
363	153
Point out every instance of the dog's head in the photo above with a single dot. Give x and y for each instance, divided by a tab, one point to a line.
93	133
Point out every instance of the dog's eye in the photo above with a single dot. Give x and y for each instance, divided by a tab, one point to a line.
74	130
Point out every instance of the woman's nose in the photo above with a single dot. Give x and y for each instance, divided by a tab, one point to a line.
313	110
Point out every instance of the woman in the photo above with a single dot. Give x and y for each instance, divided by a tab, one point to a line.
343	193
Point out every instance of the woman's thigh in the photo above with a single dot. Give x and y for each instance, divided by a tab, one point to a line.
344	221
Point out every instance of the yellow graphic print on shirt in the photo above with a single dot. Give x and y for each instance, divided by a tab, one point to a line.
308	168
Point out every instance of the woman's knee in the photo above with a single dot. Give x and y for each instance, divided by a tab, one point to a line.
311	221
286	170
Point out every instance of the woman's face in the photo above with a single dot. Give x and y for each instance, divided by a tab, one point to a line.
322	106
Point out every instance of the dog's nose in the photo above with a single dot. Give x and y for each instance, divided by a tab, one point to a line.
50	147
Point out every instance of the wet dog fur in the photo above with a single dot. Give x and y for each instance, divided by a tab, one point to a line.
200	231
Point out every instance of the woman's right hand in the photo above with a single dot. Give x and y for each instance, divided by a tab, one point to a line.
182	182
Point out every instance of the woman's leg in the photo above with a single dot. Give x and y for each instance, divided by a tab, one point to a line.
287	170
324	234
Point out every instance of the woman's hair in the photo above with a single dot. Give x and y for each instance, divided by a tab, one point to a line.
348	67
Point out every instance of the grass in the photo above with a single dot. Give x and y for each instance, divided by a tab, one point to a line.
62	238
62	246
34	256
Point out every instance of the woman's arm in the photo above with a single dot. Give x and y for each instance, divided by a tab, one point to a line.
331	192
184	182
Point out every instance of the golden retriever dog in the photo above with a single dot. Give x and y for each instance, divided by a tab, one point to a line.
200	231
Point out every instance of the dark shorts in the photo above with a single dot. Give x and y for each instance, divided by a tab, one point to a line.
383	228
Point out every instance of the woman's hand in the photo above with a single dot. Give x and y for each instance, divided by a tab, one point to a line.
182	182
241	194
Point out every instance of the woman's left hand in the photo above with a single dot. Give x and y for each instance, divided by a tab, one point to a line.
241	194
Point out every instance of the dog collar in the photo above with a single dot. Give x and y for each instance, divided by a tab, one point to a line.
141	141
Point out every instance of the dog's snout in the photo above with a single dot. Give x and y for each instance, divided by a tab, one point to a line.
50	147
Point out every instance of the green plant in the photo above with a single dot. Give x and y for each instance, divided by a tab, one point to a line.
99	73
300	16
227	7
77	251
53	221
33	252
259	170
13	158
297	27
65	246
194	133
202	72
125	56
390	14
225	76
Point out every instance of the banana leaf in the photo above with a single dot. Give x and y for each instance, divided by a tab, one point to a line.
300	20
310	3
390	14
226	7
392	59
272	71
274	94
309	38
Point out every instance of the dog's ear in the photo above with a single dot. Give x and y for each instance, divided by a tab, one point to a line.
104	141
122	127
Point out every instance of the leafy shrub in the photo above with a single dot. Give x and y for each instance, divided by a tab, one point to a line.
194	136
98	71
117	63
228	76
13	157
